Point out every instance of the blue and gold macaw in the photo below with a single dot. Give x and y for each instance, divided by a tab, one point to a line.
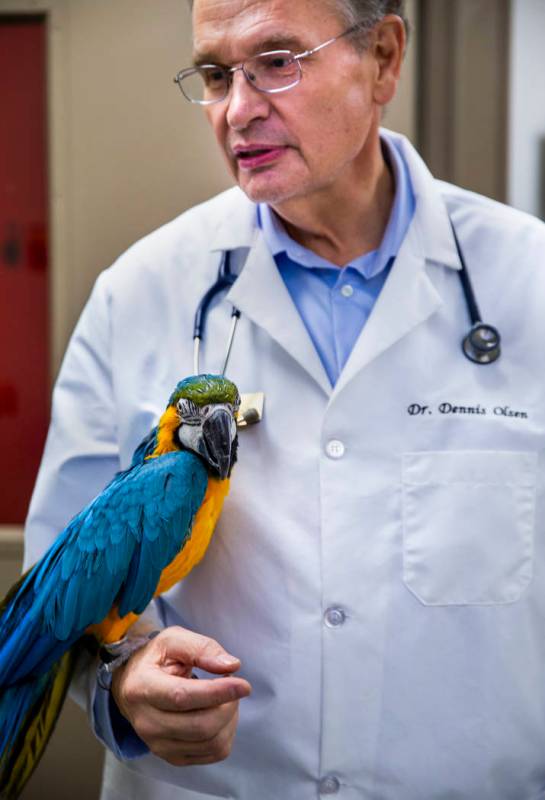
143	533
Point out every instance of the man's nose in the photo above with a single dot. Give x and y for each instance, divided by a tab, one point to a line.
246	103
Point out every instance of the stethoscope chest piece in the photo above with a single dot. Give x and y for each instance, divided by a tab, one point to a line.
482	344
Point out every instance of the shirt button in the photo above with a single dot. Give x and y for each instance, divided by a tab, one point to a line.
334	617
329	785
335	449
347	290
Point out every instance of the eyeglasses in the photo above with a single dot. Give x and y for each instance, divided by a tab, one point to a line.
272	72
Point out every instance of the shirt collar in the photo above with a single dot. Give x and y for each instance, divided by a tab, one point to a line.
368	264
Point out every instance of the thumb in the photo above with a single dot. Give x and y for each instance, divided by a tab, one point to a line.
194	650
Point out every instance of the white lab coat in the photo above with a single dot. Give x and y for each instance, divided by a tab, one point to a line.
424	530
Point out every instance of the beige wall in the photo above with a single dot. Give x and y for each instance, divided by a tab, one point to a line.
126	153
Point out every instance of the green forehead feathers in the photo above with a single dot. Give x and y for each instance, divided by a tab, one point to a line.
205	389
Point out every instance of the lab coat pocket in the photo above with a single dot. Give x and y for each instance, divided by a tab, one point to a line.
468	520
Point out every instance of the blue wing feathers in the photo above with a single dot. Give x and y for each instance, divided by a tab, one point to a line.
112	552
110	557
173	508
145	448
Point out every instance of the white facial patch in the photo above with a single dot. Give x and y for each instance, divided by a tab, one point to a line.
193	417
190	436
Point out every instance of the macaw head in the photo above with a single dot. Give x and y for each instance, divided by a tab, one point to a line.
206	407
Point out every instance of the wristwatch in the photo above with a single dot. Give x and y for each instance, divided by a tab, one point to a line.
115	654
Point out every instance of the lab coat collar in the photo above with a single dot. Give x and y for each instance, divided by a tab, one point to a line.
408	298
260	292
237	224
431	218
262	296
237	227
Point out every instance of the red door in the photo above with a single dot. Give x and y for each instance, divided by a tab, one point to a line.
24	328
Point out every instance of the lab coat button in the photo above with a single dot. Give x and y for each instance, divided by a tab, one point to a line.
347	290
334	617
335	449
329	785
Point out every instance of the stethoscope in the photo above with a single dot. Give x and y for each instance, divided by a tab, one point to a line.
251	405
482	344
223	283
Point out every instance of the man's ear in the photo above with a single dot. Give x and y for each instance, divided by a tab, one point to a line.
387	46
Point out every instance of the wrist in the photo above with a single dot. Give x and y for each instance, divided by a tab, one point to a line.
114	655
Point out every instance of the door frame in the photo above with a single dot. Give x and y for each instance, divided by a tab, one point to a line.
55	15
463	92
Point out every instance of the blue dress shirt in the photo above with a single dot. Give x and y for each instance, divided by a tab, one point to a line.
335	303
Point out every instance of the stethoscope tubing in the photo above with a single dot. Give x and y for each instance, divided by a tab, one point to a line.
225	280
481	345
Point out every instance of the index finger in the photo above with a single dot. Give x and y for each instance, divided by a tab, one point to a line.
173	693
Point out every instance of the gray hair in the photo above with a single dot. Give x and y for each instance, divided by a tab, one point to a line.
365	13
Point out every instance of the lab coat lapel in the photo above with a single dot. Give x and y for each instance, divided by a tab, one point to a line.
262	296
407	299
409	296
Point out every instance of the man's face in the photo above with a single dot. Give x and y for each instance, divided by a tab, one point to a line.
318	129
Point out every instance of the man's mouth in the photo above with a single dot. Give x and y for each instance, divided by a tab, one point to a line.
250	158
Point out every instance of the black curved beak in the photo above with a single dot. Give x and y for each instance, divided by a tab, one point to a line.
217	441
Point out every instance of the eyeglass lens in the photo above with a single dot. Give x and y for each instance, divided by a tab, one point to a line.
268	72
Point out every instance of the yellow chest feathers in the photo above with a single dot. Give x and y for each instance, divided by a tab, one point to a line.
201	534
115	627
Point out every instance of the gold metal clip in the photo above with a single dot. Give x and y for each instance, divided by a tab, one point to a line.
251	409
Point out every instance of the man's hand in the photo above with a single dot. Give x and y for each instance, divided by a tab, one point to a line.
182	720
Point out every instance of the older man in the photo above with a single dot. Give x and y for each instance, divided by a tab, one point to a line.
377	578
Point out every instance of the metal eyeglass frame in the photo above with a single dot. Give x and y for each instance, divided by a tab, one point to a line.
230	71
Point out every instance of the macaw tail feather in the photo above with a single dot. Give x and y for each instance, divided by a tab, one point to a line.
28	714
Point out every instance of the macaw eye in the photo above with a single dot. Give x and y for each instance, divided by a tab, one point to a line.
188	412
